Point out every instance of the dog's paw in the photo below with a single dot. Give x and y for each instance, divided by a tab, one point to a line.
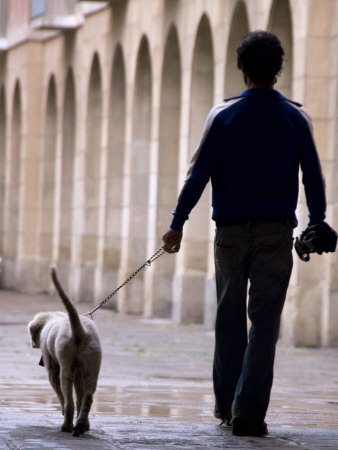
67	428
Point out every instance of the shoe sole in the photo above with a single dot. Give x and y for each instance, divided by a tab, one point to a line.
249	433
245	429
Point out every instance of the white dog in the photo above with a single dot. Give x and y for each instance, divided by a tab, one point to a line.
71	353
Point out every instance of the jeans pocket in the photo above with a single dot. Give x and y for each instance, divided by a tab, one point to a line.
272	263
226	256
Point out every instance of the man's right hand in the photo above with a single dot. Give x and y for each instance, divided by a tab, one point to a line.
172	240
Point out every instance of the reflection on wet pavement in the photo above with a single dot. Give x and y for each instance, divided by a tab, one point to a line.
142	401
188	403
154	401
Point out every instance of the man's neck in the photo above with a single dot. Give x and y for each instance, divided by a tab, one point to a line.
251	84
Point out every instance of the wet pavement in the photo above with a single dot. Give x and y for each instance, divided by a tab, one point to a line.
155	389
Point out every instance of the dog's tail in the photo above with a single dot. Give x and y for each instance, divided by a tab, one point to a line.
74	318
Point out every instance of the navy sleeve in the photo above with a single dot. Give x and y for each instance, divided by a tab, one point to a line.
313	179
200	170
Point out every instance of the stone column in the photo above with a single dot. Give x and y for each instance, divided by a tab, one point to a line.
28	231
312	307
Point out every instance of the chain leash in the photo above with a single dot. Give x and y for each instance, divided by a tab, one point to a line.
159	252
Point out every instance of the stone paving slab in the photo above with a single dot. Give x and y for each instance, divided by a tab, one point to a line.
155	389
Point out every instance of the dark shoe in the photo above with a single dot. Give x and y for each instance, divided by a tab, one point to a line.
226	421
242	426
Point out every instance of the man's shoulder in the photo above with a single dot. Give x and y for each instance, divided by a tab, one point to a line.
236	97
223	107
292	102
298	112
219	109
227	103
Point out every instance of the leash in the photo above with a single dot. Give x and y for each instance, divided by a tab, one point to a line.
159	252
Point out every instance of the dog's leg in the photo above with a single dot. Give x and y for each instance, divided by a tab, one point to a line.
54	379
79	390
67	390
82	423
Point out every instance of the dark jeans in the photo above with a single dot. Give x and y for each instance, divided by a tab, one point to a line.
243	366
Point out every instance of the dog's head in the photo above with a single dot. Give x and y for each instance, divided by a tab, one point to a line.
35	327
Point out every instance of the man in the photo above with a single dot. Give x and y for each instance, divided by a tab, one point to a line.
251	148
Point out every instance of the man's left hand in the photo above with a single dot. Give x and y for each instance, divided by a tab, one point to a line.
172	240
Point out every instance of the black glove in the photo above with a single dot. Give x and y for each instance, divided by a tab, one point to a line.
318	238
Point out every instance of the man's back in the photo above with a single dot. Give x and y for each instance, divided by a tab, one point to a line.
252	147
266	137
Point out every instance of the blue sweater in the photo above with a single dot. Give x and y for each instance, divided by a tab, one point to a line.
251	148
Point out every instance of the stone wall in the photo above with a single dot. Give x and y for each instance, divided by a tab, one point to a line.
100	112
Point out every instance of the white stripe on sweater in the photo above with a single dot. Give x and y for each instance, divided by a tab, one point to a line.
210	118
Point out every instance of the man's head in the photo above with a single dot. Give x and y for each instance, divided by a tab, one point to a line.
260	57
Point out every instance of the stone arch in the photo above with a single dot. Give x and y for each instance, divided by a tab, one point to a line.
169	134
92	178
13	193
197	229
115	170
139	174
233	81
280	23
3	135
67	175
48	179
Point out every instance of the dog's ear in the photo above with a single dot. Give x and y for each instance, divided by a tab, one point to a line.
34	328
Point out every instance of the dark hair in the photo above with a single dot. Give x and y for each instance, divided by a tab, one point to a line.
260	57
